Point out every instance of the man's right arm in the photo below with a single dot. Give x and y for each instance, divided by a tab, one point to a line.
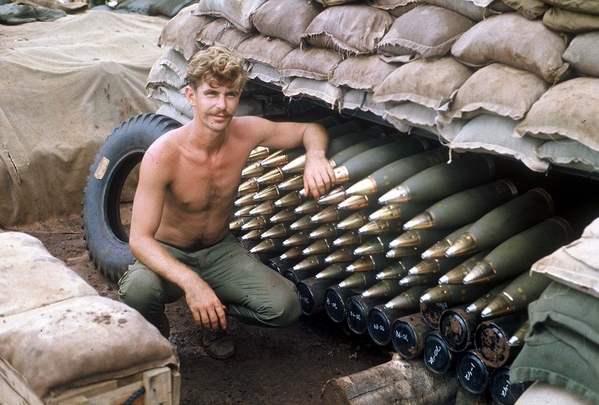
206	308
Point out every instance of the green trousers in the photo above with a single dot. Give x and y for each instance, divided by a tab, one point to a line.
253	292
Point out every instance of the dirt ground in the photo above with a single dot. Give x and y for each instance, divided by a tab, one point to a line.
271	366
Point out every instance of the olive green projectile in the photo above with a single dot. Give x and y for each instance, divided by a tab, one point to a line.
335	271
438	250
249	186
504	222
517	338
295	253
334	196
457	274
464	207
321	246
380	227
343	254
436	266
376	244
256	234
300	238
253	170
350	238
523	290
418	238
257	222
481	303
398	270
455	294
308	207
280	230
245	211
265	208
371	263
384	289
259	153
359	281
324	231
247	199
292	199
284	215
409	299
412	280
382	180
358	202
303	223
273	176
518	253
369	161
268	246
399	211
442	180
344	155
282	158
311	262
293	183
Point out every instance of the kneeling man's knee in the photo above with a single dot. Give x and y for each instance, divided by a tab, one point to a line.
286	310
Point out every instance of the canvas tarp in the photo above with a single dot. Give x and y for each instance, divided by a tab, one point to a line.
65	86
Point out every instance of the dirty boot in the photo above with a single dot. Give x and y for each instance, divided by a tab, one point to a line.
218	344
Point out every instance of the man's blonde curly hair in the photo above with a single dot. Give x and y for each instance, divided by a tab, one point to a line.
217	66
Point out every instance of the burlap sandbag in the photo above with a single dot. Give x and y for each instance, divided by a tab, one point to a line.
406	40
493	134
179	31
570	21
169	70
430	83
406	115
496	89
261	49
466	8
239	12
570	154
514	40
395	7
30	277
530	9
583	54
352	100
285	19
267	74
353	29
311	63
317	89
567	110
221	32
581	6
70	7
362	72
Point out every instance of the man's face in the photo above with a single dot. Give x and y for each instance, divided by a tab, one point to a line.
215	105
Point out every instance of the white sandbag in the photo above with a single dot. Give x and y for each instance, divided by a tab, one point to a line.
342	28
583	54
496	89
311	63
267	74
370	106
285	19
570	154
406	115
406	40
352	100
239	12
362	72
179	31
567	110
493	134
317	89
430	83
516	41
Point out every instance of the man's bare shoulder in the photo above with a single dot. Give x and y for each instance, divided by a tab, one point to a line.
166	146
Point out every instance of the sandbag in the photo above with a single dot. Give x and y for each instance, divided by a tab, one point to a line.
430	83
17	13
318	89
71	7
342	28
570	154
492	134
496	89
583	54
261	49
285	19
581	6
239	12
567	110
406	40
513	40
169	70
395	7
570	21
267	74
362	72
221	32
466	8
179	32
311	63
530	9
330	3
406	115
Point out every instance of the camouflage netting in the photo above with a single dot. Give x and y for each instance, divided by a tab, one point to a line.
503	77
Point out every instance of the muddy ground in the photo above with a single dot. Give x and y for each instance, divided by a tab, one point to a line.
271	366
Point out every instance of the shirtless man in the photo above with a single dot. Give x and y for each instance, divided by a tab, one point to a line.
180	226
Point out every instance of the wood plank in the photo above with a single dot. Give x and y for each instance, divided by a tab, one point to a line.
158	386
13	379
117	396
85	392
176	387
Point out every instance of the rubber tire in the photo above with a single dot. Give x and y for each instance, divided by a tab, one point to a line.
106	239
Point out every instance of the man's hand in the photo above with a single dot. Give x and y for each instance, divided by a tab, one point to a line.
318	175
206	308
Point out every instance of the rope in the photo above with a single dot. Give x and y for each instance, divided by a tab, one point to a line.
135	395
